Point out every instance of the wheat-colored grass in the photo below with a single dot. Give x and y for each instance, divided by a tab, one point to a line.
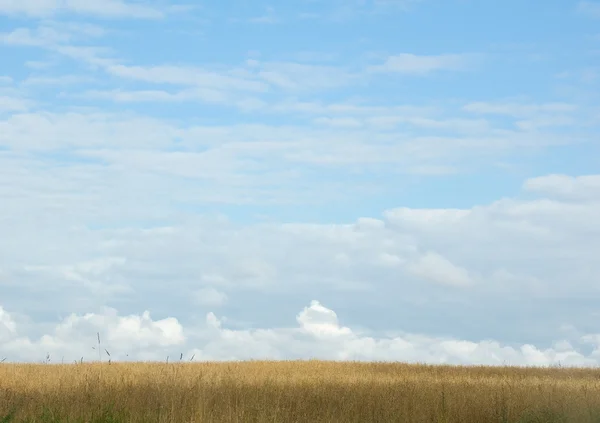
296	391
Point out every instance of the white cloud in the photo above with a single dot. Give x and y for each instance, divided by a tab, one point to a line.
530	117
590	8
304	77
408	63
101	8
7	325
586	187
338	122
520	109
65	80
186	76
210	297
94	276
48	131
40	37
320	321
12	104
438	269
420	218
340	10
208	95
256	77
269	17
319	335
38	64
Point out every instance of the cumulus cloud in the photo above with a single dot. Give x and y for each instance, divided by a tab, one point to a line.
7	325
134	336
320	321
319	335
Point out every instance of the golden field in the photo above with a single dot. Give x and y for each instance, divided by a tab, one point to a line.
295	391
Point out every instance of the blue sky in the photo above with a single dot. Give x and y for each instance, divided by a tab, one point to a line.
243	171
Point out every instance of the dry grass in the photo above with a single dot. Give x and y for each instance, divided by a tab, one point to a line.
296	391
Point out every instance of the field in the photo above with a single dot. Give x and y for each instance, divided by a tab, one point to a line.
295	391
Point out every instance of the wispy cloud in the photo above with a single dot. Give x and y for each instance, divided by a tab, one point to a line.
529	116
519	109
13	104
589	8
99	8
408	63
67	80
40	37
343	11
183	75
269	17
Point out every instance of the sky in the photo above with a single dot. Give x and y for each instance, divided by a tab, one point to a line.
391	180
